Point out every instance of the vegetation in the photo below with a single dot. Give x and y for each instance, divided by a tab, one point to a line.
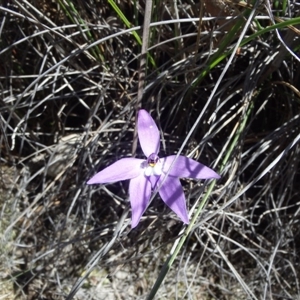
220	78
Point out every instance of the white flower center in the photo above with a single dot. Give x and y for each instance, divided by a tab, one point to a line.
153	166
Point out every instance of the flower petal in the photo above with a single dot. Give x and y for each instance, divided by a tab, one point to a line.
125	168
153	179
139	194
148	133
187	167
172	194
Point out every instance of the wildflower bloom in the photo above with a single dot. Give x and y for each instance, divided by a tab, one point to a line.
146	175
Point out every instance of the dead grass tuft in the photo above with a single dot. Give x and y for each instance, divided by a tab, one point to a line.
68	92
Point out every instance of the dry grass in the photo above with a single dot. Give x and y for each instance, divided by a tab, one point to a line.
68	93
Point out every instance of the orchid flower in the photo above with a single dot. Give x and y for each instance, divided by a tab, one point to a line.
147	174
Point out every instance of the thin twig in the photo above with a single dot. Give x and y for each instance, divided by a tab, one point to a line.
142	69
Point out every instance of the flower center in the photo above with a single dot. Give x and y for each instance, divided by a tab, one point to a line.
152	160
152	165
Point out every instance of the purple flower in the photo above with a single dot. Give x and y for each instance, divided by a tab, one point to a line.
146	175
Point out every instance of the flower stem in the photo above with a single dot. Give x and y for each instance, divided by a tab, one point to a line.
142	68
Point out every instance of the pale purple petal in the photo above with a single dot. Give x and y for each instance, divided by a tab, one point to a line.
153	179
172	194
139	194
187	167
148	133
125	168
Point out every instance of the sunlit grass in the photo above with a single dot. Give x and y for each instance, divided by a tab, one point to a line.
69	83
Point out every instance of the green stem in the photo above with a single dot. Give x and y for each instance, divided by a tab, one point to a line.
127	23
167	265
